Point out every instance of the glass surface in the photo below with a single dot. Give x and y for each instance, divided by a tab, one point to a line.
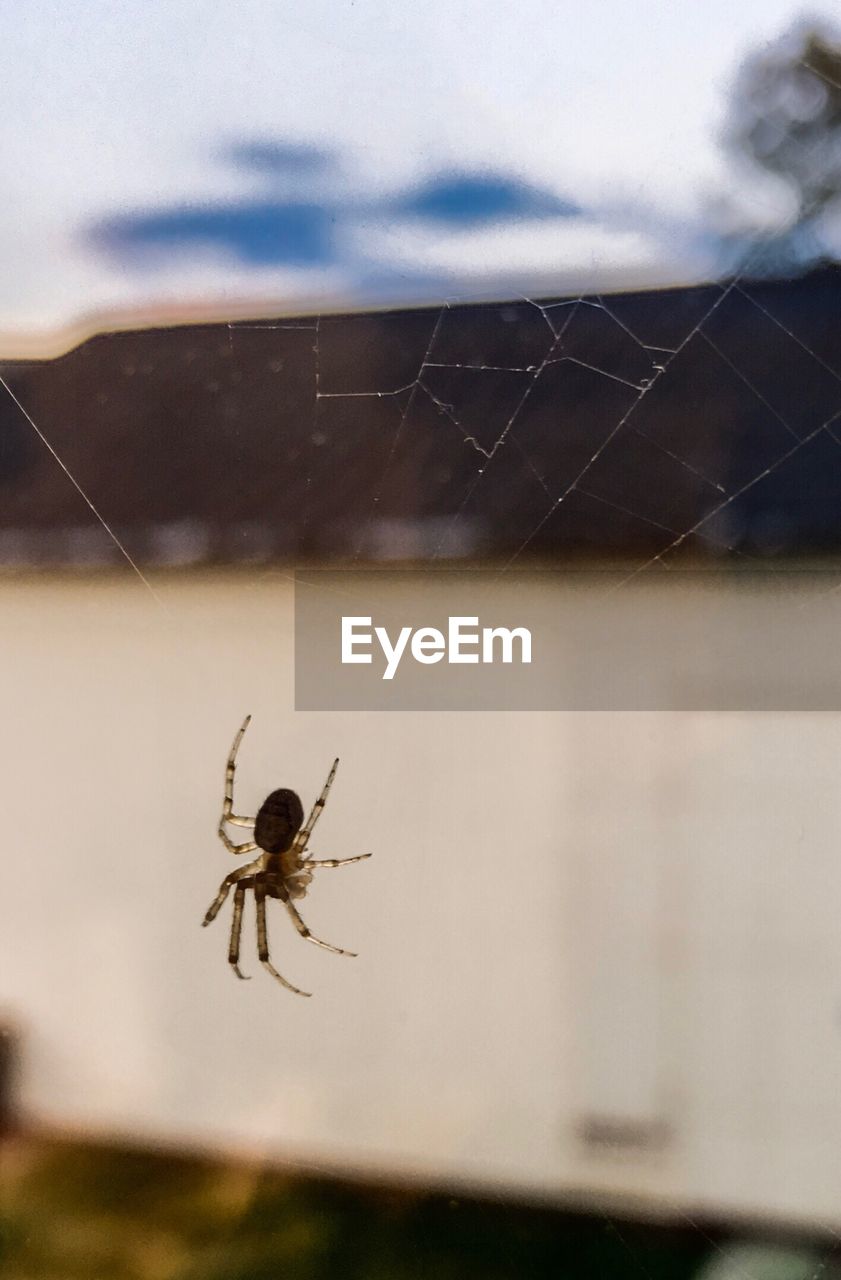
547	295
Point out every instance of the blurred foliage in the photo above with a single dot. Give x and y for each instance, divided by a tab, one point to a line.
790	120
785	119
69	1210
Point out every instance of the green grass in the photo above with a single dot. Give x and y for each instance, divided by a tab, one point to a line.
69	1211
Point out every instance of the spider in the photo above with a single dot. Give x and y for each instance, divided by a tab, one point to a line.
282	870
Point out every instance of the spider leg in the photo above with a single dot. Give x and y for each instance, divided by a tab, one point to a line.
305	933
334	862
263	940
247	846
236	927
228	814
225	888
315	813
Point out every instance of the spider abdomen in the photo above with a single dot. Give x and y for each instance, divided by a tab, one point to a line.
280	818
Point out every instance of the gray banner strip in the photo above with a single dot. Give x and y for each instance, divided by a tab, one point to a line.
563	640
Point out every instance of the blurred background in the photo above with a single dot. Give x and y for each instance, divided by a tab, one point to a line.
262	159
343	286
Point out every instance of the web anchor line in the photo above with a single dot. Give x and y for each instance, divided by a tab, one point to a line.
106	526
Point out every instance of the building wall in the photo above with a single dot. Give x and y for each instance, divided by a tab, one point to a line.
599	953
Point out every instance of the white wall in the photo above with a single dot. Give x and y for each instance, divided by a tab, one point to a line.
624	920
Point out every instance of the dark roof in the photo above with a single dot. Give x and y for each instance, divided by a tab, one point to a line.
639	424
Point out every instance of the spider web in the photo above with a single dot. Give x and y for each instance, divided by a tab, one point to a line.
644	426
493	389
509	452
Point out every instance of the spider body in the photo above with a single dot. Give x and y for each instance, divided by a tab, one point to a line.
282	870
286	875
279	819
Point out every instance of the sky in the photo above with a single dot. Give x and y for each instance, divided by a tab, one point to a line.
172	155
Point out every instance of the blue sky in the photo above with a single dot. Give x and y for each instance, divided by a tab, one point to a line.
445	148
